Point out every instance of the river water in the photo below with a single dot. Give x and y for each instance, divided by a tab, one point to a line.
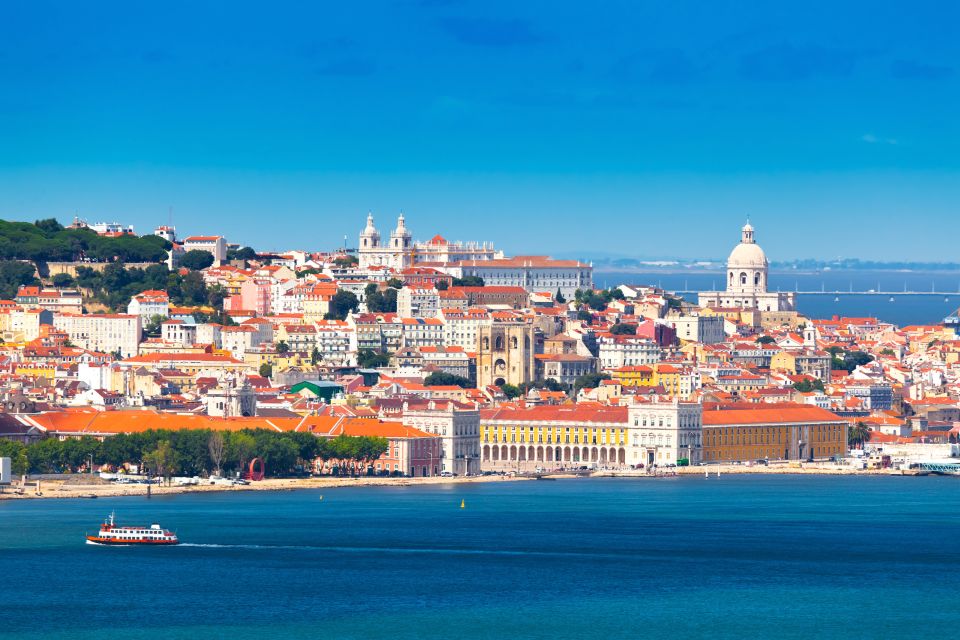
942	300
735	556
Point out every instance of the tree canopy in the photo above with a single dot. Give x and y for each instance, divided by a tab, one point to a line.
193	452
369	359
380	302
116	284
443	379
589	380
13	274
196	259
468	281
343	304
48	241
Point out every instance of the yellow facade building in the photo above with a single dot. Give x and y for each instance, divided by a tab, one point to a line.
772	432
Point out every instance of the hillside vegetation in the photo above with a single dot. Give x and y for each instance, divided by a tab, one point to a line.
48	241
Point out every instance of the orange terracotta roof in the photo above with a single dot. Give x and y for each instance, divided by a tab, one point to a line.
785	413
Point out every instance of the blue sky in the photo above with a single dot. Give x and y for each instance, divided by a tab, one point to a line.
632	128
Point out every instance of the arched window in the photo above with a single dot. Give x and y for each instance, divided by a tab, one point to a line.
514	343
486	344
743	277
731	277
756	279
499	343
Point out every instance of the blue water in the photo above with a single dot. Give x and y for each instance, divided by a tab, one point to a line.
757	556
904	310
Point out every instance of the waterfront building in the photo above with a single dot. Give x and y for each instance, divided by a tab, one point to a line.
747	279
458	427
664	431
771	431
552	437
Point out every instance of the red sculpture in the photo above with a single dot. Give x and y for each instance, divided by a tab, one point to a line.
255	471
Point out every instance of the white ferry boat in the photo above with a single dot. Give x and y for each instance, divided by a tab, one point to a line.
114	534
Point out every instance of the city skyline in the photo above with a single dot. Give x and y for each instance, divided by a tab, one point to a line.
491	122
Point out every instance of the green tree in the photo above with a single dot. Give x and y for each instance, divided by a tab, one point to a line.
243	253
283	347
216	447
343	304
443	379
17	452
807	385
369	359
511	391
346	262
241	448
589	381
62	280
13	275
161	460
368	449
584	316
152	328
765	340
624	329
559	297
468	281
266	370
858	435
315	356
442	285
196	259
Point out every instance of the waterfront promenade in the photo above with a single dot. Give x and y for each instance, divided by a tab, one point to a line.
77	488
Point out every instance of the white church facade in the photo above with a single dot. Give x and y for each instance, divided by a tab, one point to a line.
401	252
746	277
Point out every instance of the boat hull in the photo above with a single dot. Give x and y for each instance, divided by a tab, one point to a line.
113	542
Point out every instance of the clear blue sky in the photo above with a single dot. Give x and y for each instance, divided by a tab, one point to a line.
633	128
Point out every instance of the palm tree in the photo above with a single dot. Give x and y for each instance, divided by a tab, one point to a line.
858	434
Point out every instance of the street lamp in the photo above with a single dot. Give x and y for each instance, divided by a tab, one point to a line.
90	455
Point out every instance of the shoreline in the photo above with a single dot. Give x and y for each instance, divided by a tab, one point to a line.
70	489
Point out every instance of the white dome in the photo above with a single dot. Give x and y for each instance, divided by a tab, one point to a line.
747	255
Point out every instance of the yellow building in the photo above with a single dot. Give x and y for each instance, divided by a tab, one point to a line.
37	371
773	432
638	376
552	436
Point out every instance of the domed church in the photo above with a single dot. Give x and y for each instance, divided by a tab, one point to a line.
747	271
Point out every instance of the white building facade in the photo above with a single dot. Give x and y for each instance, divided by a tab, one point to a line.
747	280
